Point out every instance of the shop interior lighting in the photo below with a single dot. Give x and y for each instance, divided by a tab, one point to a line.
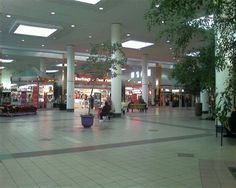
34	30
93	2
51	71
136	44
2	67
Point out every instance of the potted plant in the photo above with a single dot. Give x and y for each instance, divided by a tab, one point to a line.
98	66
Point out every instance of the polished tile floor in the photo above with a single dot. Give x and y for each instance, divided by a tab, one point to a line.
163	148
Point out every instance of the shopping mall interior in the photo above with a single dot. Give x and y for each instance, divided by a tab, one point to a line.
166	146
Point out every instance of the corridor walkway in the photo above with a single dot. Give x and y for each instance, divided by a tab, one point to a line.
163	148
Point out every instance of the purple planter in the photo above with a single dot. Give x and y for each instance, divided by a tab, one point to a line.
87	120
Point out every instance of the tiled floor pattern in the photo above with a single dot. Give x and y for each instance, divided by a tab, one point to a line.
217	174
163	148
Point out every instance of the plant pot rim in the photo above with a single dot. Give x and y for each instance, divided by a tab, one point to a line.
86	115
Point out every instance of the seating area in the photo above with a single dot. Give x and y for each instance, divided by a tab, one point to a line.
137	106
12	110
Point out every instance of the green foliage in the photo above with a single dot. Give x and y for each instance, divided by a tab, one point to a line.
103	62
181	27
197	73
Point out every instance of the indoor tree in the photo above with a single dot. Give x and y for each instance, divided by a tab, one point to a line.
102	63
182	21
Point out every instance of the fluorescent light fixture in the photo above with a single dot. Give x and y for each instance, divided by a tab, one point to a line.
2	67
93	2
6	60
136	44
51	71
34	30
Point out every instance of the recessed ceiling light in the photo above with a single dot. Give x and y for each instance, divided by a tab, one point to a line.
72	25
170	48
90	36
22	40
168	41
93	2
136	44
162	21
34	30
100	8
8	16
6	60
128	34
42	45
157	6
52	13
51	71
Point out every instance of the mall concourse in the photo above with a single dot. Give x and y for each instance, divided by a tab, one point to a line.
45	146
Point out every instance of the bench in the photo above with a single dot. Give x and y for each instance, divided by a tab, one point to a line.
140	107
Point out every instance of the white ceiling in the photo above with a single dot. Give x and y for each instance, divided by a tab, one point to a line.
88	20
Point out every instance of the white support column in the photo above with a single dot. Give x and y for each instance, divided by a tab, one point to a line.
145	79
116	81
204	99
70	78
153	75
42	67
221	77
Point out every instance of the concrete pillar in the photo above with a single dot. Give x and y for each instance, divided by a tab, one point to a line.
116	81
70	78
145	79
153	77
6	78
222	76
42	67
204	99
